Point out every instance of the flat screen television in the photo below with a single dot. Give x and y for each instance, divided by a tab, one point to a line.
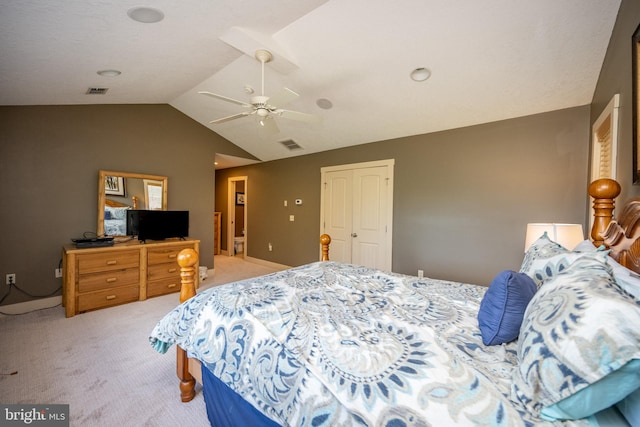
157	225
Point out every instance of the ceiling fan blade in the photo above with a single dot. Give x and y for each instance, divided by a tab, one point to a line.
228	118
224	98
268	126
301	117
284	97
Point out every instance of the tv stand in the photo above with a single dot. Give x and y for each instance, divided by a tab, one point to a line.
101	277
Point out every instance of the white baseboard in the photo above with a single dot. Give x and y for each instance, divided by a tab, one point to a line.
28	306
266	263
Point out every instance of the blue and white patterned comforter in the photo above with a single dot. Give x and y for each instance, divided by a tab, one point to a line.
331	344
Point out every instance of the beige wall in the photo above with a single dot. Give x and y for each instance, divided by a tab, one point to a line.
49	162
462	198
615	77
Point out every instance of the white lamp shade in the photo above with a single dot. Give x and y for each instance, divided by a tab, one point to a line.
568	235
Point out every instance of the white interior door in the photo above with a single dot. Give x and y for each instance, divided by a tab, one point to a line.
369	234
338	216
357	209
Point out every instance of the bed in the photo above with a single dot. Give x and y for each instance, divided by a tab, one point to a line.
329	344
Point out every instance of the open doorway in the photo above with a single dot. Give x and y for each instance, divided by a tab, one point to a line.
237	217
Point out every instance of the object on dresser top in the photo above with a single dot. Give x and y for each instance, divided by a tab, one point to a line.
93	242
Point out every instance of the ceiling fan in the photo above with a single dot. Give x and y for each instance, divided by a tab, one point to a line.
265	107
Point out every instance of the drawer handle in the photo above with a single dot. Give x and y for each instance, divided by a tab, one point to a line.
111	279
112	262
172	285
173	255
110	297
173	270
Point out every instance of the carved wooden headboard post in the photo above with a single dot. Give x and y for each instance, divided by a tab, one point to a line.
188	260
324	241
604	191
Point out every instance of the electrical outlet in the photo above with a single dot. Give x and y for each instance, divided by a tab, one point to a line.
270	247
420	273
58	273
11	279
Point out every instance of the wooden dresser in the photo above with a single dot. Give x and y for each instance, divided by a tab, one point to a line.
103	277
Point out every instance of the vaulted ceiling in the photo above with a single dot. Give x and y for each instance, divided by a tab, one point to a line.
488	60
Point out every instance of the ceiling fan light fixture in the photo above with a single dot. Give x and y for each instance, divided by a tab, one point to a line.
265	108
146	15
420	74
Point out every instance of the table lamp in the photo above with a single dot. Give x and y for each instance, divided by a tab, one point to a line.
568	235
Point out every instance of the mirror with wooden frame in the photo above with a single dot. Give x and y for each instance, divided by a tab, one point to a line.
122	191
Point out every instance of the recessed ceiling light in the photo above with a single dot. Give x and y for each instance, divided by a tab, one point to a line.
325	104
109	73
420	74
146	15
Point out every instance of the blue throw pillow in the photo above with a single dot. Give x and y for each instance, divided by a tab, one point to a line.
503	307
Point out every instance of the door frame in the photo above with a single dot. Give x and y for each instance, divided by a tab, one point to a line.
389	163
231	213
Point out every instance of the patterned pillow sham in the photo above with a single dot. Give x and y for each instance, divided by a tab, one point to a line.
627	280
578	329
545	259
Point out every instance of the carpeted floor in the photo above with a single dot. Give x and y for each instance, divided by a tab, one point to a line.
101	363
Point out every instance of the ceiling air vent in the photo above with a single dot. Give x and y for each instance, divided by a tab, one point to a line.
290	144
97	91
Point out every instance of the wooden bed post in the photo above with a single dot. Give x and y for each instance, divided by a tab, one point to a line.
188	260
604	191
324	241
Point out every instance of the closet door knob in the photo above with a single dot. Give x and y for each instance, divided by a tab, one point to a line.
354	234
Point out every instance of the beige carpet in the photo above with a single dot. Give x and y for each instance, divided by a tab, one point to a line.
101	363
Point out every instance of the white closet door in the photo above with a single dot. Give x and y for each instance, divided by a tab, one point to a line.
338	213
369	218
357	206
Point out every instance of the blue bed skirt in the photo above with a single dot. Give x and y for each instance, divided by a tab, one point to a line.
225	408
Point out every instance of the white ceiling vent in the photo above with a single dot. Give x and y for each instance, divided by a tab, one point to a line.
97	91
290	144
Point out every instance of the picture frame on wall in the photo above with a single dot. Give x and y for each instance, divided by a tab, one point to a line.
239	198
635	65
114	185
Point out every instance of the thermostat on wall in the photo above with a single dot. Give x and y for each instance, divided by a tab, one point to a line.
298	201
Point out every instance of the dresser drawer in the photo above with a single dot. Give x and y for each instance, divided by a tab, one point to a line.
165	255
161	271
92	263
163	286
108	297
108	279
